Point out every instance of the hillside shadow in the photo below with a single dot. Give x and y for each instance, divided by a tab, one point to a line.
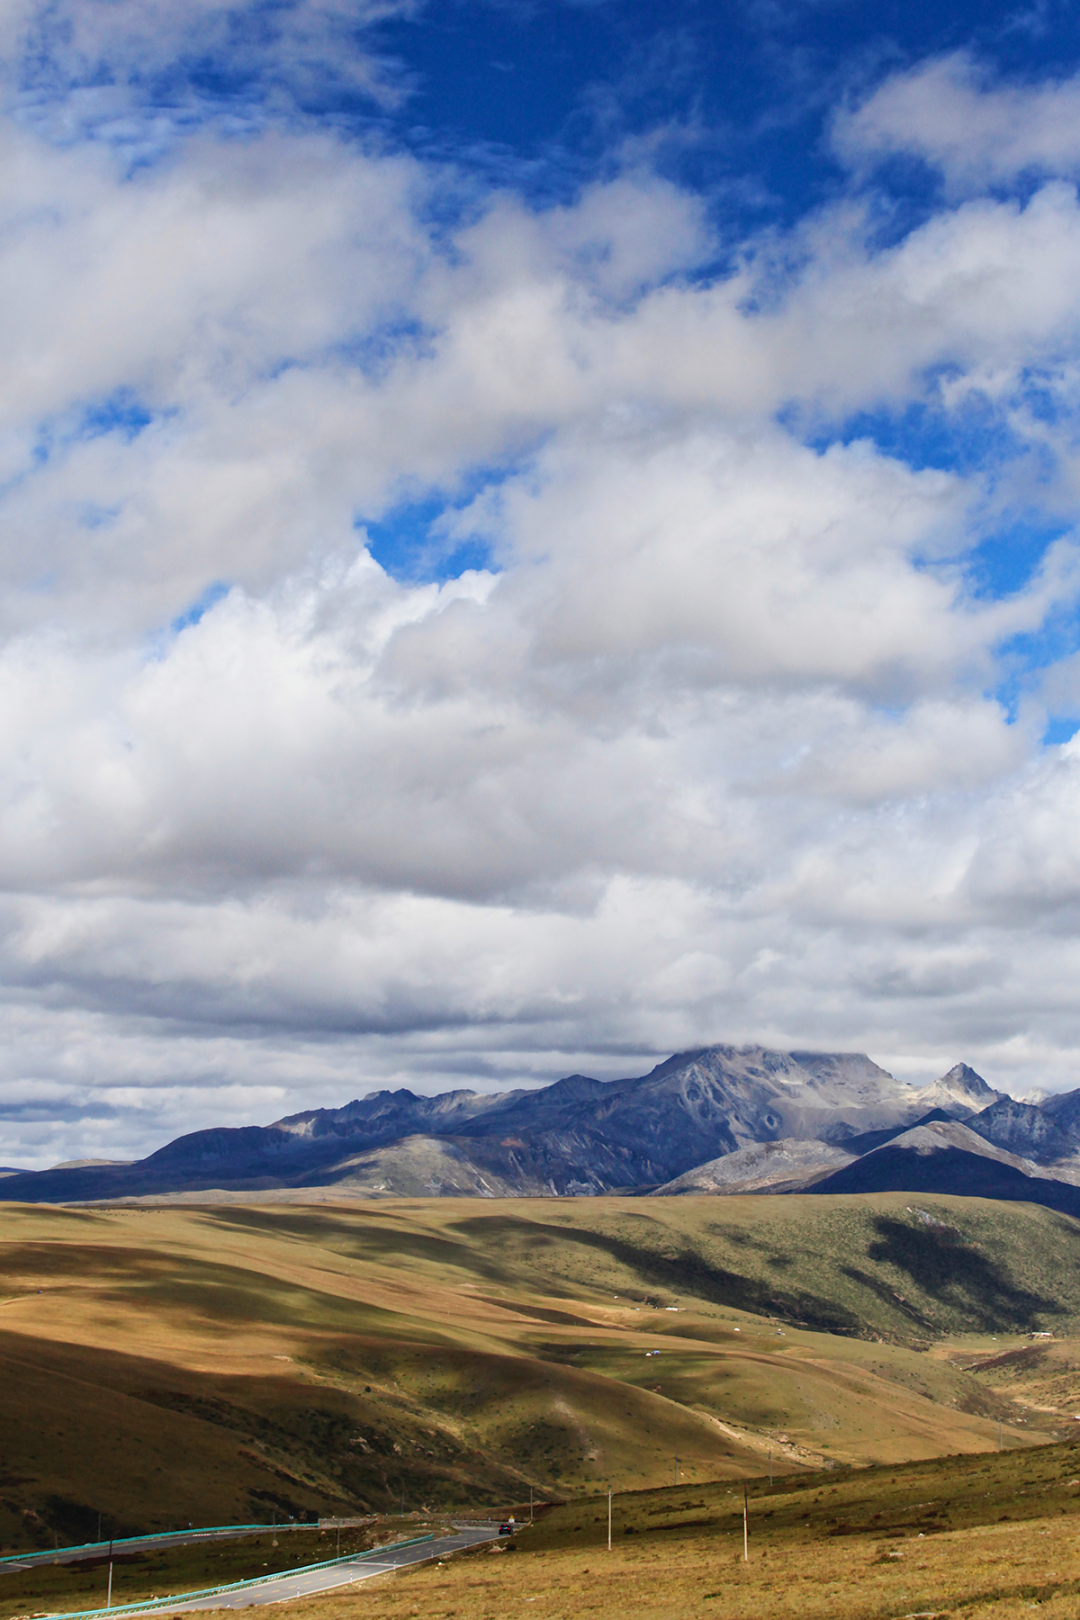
889	1298
148	1442
682	1271
378	1241
214	1293
943	1265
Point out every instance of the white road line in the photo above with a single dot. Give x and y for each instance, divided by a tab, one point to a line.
305	1583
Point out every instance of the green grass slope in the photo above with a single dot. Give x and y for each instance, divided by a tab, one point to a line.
896	1501
231	1362
888	1265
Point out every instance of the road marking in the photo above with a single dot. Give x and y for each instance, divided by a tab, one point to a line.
306	1582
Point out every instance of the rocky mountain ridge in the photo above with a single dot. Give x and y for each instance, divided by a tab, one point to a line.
718	1119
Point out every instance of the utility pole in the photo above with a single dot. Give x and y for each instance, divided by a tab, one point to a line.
745	1526
108	1599
609	1519
339	1541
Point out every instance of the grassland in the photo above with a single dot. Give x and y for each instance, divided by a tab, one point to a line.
988	1538
988	1534
228	1363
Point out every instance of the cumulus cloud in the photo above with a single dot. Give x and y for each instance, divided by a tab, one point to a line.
978	132
721	735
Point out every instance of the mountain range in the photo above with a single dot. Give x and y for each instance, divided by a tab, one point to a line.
720	1120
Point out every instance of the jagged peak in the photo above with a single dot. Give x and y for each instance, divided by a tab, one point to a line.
962	1074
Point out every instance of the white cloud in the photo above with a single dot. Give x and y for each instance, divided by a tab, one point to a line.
713	749
950	112
134	72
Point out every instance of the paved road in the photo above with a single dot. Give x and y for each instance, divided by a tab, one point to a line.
303	1583
182	1538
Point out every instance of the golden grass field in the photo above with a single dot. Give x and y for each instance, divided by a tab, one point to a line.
973	1537
216	1364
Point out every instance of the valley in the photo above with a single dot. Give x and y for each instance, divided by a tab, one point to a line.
238	1363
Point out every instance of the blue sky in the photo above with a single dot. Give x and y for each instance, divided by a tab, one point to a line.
533	536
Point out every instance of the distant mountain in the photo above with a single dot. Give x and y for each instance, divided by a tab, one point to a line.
387	1116
961	1088
80	1164
1064	1110
579	1135
1025	1129
950	1157
720	1120
790	1165
418	1167
869	1140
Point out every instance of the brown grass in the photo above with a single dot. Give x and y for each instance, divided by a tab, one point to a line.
870	1545
221	1364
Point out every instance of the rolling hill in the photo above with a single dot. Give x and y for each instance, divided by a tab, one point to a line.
232	1362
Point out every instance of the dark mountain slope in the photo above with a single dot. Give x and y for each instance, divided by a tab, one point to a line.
949	1158
869	1140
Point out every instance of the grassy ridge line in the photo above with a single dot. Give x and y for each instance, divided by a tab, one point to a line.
893	1501
323	1360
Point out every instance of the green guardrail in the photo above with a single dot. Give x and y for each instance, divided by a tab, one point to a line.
155	1535
147	1605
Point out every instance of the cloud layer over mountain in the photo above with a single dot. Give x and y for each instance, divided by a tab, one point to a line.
448	629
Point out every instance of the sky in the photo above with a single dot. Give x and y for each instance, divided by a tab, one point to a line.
535	534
